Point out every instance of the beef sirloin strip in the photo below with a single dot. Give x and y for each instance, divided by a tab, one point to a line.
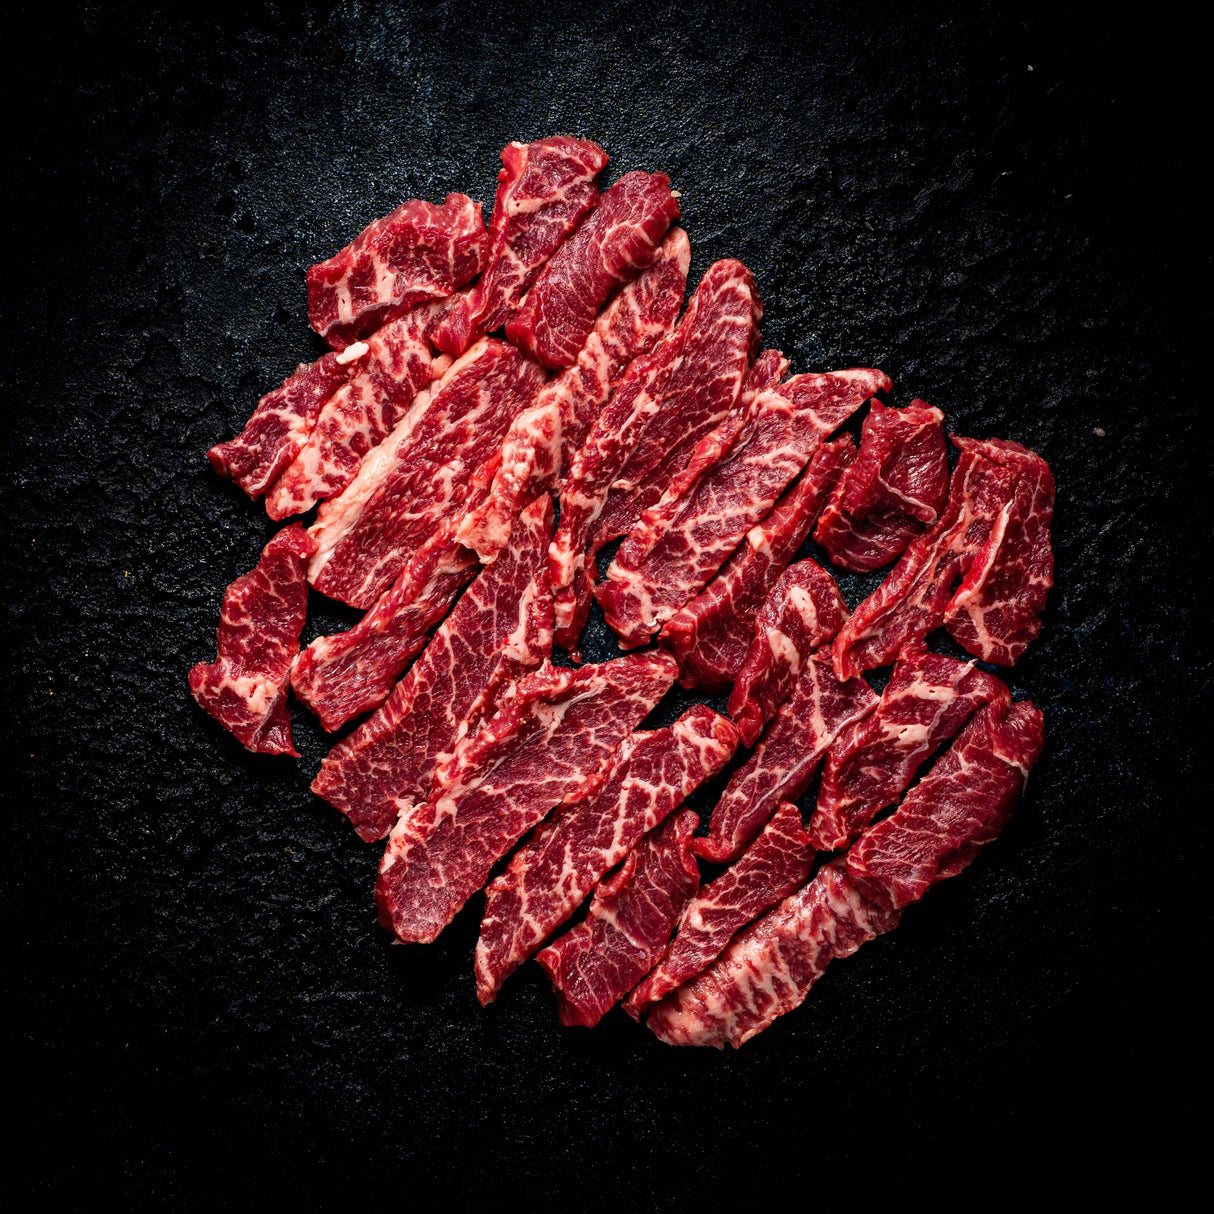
556	730
650	775
281	424
712	634
543	190
245	688
984	569
501	627
594	965
773	866
664	404
928	699
804	610
895	488
680	544
418	253
398	363
542	440
768	969
614	243
786	757
369	533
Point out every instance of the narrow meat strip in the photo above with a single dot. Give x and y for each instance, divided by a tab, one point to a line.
786	757
711	635
556	730
614	243
362	412
420	252
367	538
543	190
679	544
774	865
245	688
542	440
894	490
500	628
804	610
928	699
594	965
665	403
649	777
996	527
768	969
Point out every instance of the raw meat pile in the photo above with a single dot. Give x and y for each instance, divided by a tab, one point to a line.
496	408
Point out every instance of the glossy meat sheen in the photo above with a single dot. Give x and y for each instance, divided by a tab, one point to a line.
680	544
594	965
803	610
774	865
666	402
500	628
245	688
366	540
420	252
614	243
398	363
341	676
957	808
931	582
711	635
542	440
786	757
554	732
279	426
928	699
544	189
895	488
767	969
547	879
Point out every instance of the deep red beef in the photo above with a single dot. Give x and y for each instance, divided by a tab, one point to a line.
614	243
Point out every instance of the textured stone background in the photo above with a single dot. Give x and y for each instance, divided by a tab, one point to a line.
995	211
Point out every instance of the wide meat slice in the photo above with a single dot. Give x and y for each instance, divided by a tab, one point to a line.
420	252
245	688
281	424
556	730
666	402
928	699
650	775
616	241
787	756
680	543
369	533
594	965
768	969
1002	493
773	866
398	363
543	190
542	440
500	628
711	635
803	610
895	488
959	806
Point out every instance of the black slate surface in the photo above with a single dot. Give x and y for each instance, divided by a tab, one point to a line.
992	209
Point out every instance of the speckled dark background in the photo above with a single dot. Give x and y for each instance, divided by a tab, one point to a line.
994	210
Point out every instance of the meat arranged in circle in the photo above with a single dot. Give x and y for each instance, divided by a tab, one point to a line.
895	488
544	189
245	688
613	244
420	252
